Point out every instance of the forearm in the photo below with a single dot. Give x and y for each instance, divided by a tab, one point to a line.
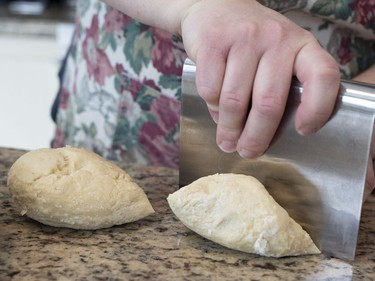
163	14
367	76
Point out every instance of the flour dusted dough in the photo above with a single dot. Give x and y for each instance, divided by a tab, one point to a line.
75	188
236	211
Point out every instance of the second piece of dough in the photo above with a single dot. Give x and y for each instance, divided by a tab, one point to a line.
236	211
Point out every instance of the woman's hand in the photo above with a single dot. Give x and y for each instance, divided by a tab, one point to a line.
246	54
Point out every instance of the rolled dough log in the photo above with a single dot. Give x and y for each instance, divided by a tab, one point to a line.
237	212
75	188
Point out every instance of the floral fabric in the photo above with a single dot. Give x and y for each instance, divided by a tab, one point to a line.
121	86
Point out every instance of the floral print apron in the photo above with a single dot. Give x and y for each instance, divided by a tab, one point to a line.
121	85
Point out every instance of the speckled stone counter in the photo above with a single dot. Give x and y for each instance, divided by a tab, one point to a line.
158	247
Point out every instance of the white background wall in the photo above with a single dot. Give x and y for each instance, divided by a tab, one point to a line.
28	86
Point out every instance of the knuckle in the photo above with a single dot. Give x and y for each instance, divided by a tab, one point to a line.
230	101
281	34
214	48
208	93
212	44
247	29
270	106
306	35
324	67
227	132
276	28
330	71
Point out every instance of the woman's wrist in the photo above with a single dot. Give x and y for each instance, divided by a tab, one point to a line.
163	14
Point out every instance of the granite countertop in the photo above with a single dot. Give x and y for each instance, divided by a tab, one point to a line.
158	247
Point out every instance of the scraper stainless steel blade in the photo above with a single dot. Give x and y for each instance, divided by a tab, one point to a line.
318	179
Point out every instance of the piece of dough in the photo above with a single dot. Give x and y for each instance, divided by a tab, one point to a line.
237	212
75	188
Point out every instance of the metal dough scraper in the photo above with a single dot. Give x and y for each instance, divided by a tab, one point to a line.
318	179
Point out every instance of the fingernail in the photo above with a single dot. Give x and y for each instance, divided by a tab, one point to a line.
215	116
248	154
227	146
306	130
